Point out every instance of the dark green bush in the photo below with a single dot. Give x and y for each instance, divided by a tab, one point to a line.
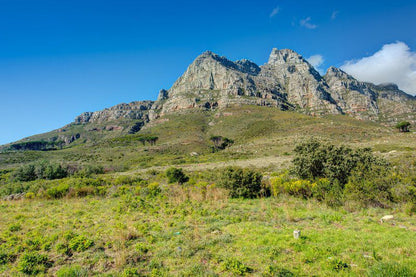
331	193
220	143
370	187
314	159
403	126
89	170
176	175
58	191
80	243
243	183
235	266
40	170
6	257
33	263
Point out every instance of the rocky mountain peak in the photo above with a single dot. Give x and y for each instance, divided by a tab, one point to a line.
285	56
248	67
287	81
388	86
334	72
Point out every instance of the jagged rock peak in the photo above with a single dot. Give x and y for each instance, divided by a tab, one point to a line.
338	73
163	95
285	56
388	86
244	65
248	66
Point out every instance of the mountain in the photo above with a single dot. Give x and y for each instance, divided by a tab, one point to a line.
287	81
212	82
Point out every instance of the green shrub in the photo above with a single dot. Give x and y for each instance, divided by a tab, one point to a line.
338	265
6	257
131	272
275	271
58	191
152	189
63	248
220	143
40	170
82	191
391	270
15	227
176	175
33	263
296	187
243	183
235	266
370	187
327	192
277	183
316	160
90	170
25	173
126	180
80	243
72	271
409	208
403	126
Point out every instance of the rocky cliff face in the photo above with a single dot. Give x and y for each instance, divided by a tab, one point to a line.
299	81
363	100
133	110
212	81
287	81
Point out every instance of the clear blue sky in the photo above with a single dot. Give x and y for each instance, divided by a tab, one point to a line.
61	58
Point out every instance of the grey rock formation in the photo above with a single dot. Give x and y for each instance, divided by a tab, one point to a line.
286	81
293	76
385	102
353	97
133	110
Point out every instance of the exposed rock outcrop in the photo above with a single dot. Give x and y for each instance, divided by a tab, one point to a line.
133	110
286	81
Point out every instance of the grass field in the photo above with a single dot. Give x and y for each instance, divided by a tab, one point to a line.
178	233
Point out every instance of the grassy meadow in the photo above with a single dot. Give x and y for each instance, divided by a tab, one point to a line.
181	232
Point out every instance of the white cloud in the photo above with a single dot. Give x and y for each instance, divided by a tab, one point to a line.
274	12
334	14
307	23
316	61
394	63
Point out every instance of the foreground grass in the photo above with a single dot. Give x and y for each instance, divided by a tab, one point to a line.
185	233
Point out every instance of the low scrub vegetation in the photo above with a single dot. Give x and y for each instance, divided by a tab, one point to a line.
341	175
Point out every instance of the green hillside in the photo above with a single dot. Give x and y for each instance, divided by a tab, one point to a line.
256	132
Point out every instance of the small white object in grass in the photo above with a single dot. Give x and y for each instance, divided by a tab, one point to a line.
296	234
386	218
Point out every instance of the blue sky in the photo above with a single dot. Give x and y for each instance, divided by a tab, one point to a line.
61	58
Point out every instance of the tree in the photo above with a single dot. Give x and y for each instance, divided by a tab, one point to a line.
243	183
403	126
150	139
315	160
176	175
220	143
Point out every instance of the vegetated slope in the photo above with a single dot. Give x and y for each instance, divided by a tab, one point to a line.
184	137
179	236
